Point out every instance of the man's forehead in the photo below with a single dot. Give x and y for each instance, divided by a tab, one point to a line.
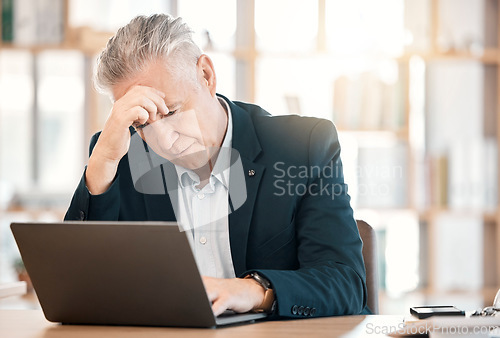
173	104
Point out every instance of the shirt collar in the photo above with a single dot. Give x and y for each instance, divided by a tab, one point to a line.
222	165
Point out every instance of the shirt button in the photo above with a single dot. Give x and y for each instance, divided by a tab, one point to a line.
201	196
203	240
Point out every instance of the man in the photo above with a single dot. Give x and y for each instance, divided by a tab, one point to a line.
287	232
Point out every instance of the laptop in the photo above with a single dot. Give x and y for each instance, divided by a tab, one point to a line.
117	273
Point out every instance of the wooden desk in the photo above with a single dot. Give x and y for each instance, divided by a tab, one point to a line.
32	324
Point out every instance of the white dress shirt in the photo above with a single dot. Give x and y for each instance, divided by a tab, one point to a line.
204	213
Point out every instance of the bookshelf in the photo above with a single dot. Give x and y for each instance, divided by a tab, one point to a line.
464	200
448	202
36	179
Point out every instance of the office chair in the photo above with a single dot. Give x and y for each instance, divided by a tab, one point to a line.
370	257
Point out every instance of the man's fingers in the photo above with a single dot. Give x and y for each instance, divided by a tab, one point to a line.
148	105
212	289
140	115
160	104
219	306
155	97
233	294
150	99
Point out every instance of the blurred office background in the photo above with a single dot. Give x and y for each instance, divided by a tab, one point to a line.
412	86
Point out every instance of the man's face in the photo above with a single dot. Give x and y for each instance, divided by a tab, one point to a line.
193	130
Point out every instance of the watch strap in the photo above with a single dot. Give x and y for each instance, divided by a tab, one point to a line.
269	302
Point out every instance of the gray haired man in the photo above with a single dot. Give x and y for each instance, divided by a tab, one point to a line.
296	254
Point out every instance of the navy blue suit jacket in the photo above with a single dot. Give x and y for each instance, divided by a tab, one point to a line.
296	226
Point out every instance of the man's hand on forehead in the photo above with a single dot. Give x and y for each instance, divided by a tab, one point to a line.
134	105
147	102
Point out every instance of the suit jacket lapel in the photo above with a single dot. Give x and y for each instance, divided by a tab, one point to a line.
245	141
240	219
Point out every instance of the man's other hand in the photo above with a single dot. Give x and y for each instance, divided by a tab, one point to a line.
239	295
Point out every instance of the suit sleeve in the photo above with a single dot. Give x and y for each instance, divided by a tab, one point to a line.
103	207
331	275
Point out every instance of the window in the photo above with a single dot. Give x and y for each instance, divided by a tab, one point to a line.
16	118
60	129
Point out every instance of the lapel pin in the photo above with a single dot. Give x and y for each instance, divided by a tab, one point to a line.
251	172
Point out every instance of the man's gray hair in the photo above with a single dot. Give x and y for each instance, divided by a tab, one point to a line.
142	41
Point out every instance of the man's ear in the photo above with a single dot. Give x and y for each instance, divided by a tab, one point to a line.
206	73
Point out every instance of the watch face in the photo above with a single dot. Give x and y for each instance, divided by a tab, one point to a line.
264	282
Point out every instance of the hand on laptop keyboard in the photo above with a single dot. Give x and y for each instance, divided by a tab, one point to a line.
239	295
